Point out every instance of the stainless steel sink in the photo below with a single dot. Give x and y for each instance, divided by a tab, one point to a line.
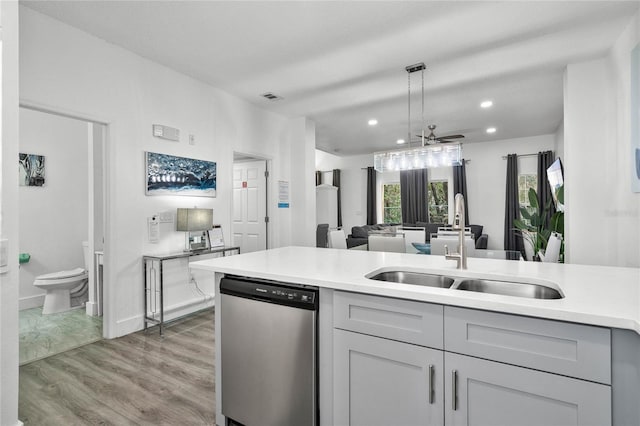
532	291
505	288
415	278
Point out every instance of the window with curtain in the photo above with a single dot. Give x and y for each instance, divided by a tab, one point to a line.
437	202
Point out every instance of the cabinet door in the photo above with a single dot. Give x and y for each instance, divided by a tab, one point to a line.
384	382
493	394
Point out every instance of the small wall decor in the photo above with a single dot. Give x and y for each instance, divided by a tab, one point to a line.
31	169
635	119
171	175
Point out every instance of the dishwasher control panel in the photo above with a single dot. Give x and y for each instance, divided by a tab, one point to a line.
270	292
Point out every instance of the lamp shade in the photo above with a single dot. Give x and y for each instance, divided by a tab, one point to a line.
194	220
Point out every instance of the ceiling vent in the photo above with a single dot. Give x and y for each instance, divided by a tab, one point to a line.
270	96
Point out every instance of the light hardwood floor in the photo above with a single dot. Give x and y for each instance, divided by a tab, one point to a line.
138	379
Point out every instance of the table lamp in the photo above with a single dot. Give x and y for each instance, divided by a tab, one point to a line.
195	223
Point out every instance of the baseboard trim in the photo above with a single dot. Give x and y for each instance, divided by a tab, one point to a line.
92	309
31	302
136	323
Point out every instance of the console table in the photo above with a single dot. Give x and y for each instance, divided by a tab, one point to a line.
154	288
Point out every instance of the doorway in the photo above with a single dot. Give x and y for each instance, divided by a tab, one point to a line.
62	229
250	215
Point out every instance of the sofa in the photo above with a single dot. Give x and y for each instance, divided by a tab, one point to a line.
360	234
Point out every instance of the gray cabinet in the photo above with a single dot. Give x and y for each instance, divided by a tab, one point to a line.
495	369
574	350
491	393
405	320
384	382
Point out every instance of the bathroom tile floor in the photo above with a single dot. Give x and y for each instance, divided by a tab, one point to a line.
45	335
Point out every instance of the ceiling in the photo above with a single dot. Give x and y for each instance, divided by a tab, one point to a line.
341	63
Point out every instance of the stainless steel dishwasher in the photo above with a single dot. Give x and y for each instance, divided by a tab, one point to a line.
268	352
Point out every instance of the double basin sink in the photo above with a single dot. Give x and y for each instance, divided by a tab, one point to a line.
505	288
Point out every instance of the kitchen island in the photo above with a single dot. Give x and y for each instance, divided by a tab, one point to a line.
575	360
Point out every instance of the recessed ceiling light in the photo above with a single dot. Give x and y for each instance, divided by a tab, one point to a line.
486	104
400	141
491	130
373	122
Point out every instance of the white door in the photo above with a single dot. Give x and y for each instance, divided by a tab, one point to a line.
249	206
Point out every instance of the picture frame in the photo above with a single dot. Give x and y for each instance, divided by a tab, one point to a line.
31	169
216	238
172	175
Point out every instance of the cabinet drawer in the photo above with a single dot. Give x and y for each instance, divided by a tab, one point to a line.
396	319
574	350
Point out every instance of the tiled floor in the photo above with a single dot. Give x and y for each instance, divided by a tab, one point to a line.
45	335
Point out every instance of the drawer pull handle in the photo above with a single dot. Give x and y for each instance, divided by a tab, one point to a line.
454	387
431	395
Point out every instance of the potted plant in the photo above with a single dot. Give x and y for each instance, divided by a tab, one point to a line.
535	231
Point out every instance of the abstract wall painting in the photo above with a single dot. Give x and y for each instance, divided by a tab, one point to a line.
635	119
171	175
31	169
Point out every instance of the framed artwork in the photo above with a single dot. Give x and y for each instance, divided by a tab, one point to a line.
31	169
171	175
635	119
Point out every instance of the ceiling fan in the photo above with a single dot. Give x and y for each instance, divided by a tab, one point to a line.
431	138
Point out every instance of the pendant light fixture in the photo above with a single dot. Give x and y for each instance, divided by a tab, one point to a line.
425	155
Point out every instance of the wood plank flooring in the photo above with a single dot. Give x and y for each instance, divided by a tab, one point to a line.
138	379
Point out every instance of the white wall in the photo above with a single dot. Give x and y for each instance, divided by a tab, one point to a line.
68	70
9	214
603	216
353	184
486	177
53	218
558	146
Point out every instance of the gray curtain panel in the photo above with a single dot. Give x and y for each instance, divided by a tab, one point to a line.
318	177
545	159
336	183
413	195
460	186
512	207
371	196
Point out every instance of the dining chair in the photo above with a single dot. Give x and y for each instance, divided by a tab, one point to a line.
413	235
389	243
337	239
552	252
438	243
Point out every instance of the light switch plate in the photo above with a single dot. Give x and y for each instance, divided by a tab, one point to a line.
165	217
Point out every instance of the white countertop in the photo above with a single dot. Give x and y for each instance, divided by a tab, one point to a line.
597	295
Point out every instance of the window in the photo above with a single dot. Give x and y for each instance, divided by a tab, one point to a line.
438	201
525	182
392	211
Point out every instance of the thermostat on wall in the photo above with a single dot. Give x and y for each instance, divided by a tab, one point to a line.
166	132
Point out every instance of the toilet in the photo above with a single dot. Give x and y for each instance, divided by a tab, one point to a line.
58	285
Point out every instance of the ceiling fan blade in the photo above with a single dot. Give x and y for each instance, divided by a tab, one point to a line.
452	137
445	141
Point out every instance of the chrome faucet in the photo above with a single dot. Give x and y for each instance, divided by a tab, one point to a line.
459	224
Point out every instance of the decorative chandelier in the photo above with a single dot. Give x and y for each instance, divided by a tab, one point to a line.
426	155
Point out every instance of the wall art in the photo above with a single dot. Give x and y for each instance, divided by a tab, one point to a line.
31	169
635	119
171	175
